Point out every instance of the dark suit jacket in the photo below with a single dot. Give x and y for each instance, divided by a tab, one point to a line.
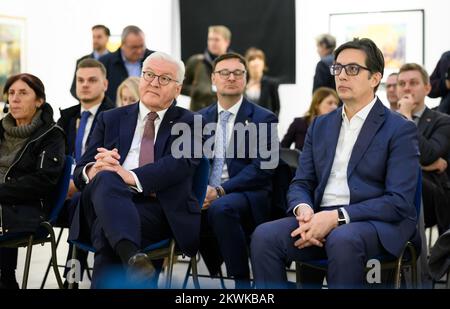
296	134
168	177
437	80
116	72
323	77
382	172
68	122
269	97
73	87
245	174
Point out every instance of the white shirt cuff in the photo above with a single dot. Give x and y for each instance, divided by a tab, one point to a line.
346	216
300	205
138	186
84	175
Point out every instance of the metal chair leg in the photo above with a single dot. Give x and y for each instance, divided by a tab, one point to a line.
54	257
47	271
27	262
298	279
186	276
170	266
74	257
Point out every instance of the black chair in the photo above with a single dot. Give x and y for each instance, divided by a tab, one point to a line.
408	257
45	231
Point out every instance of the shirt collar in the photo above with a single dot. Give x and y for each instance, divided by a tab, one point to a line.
143	111
93	110
125	60
363	113
233	110
419	114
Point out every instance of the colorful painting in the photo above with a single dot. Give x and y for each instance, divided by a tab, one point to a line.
12	53
399	34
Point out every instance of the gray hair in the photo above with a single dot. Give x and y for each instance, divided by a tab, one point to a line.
130	29
166	57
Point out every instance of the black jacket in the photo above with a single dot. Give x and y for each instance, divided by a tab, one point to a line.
116	72
323	77
68	122
269	97
73	87
31	180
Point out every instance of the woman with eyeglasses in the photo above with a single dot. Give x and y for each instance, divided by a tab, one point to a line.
324	100
261	89
31	162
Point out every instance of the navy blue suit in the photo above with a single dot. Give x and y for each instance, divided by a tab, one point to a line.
111	211
382	178
247	200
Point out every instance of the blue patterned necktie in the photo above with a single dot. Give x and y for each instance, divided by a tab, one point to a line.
219	150
80	135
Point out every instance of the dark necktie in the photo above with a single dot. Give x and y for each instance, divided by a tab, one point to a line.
80	135
146	153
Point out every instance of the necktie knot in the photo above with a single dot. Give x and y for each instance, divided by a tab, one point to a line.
224	116
152	116
85	115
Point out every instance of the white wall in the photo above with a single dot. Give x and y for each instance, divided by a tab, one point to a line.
58	32
312	20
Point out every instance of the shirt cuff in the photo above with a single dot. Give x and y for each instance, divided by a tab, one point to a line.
300	205
84	175
138	186
346	216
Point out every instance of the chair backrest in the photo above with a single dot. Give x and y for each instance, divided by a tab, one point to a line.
290	156
200	183
61	190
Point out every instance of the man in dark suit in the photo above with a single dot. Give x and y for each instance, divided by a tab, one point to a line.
125	61
353	193
135	191
238	195
326	44
434	143
440	82
78	123
100	38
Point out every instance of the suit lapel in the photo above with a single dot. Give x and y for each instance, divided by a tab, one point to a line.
164	130
127	127
371	125
243	116
333	131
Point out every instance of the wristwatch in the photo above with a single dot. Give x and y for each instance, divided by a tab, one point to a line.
341	217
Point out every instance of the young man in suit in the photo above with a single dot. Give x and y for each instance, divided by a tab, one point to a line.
135	192
352	197
434	142
100	38
238	195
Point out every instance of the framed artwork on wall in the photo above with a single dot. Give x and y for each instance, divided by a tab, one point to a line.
398	34
12	48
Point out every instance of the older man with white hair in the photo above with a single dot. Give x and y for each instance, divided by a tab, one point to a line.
135	192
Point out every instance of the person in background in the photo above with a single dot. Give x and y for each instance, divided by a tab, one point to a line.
31	163
261	89
128	92
126	61
100	38
197	83
326	44
324	100
440	82
391	91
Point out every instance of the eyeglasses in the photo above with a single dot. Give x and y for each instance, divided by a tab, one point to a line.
225	73
351	69
163	80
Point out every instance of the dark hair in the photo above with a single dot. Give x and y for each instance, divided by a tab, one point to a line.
374	56
32	81
104	28
92	63
230	56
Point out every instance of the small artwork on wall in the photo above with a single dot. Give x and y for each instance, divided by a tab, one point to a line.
398	34
12	48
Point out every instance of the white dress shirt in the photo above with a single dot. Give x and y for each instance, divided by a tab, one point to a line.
337	191
132	159
230	126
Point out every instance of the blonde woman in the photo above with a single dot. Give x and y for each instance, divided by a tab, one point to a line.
128	92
